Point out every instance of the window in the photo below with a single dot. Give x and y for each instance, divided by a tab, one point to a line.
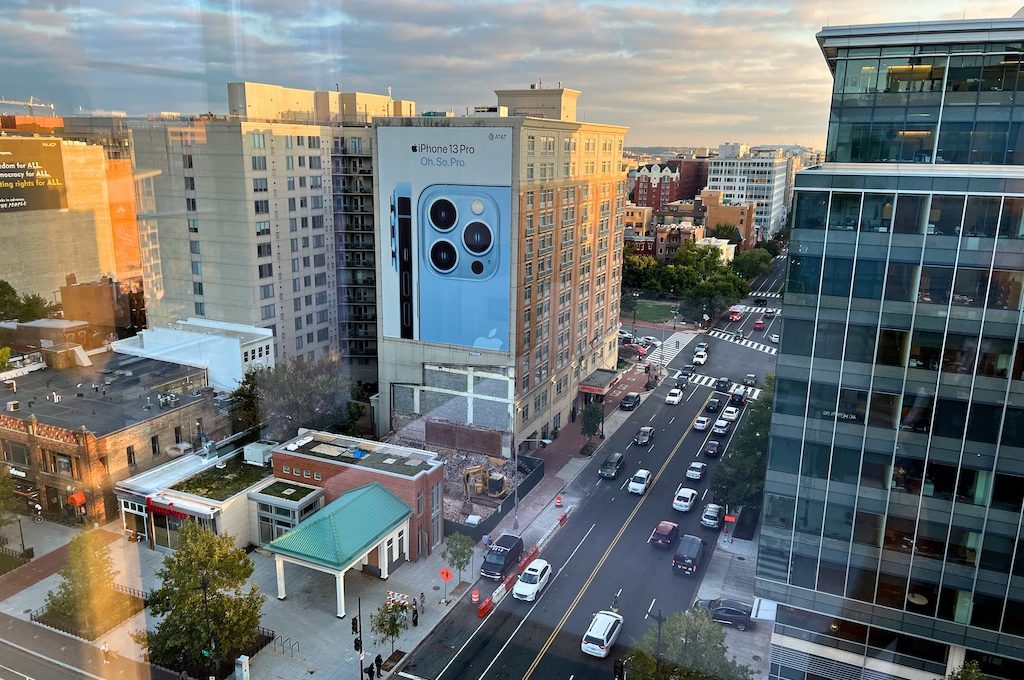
197	267
266	270
262	207
321	334
130	453
154	445
259	141
263	250
200	308
193	247
266	291
267	312
15	452
186	161
193	225
197	287
263	228
318	241
259	163
190	204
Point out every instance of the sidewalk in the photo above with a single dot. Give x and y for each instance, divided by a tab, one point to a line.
44	566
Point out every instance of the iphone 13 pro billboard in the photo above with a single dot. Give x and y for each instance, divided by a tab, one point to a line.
444	234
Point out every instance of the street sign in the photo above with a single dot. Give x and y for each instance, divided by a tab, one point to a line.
707	318
730	518
446	574
362	656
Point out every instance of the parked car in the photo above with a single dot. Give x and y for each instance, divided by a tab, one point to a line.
687	371
700	347
611	466
774	337
644	437
712	516
625	334
731	413
639	349
601	634
696	470
630	401
665	535
750	380
674	396
730	612
759	325
640	481
684	499
713	448
721	427
700	358
713	405
532	581
722	383
701	423
651	341
502	557
689	554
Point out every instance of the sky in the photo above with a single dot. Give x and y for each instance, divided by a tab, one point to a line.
678	73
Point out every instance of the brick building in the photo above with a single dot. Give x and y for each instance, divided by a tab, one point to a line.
69	431
339	464
693	174
656	185
739	214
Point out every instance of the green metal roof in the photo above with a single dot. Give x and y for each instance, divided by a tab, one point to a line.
345	530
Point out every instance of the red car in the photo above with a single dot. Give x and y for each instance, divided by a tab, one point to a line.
666	535
639	349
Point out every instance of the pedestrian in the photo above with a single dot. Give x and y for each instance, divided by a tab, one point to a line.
106	652
415	618
405	613
379	662
369	672
415	604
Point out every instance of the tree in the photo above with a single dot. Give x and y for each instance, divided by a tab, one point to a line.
5	358
10	303
739	479
85	593
692	648
8	501
388	622
203	600
969	671
725	230
458	550
628	304
773	247
753	263
592	420
34	306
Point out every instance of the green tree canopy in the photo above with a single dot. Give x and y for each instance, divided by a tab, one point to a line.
34	306
458	550
692	648
10	303
969	671
774	247
388	622
739	479
203	595
592	420
8	501
753	263
85	591
725	230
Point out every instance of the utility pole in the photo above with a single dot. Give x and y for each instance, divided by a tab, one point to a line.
357	644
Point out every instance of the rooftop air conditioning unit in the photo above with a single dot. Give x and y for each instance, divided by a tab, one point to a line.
13	406
173	399
221	466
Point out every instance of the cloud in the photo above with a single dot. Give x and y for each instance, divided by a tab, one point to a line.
675	73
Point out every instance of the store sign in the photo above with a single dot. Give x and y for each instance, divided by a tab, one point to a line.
15	472
168	511
591	389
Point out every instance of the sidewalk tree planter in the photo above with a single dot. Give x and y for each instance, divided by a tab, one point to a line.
388	622
592	420
458	551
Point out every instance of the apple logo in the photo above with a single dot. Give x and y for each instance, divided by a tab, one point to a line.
414	148
490	342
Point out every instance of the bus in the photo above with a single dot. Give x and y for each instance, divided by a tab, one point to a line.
736	313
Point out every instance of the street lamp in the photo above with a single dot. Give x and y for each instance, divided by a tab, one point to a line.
515	478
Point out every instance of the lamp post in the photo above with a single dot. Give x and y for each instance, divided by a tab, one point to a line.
515	479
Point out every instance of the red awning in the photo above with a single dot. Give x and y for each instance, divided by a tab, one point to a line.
77	499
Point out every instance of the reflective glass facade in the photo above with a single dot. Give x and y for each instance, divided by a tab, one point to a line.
895	486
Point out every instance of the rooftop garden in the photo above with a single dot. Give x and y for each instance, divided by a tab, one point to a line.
222	484
292	492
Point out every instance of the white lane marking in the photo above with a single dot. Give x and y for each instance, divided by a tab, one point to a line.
673	419
652	417
651	448
27	677
536	602
650	608
57	662
704	495
692	392
625	483
650	538
406	674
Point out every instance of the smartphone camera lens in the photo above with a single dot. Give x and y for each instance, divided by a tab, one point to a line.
443	256
443	214
477	238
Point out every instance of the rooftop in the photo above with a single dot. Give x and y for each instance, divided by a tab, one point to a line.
288	490
343	450
221	483
116	392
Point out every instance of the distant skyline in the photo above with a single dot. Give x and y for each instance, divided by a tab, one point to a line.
676	73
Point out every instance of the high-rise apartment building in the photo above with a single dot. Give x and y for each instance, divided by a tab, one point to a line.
892	527
753	177
498	277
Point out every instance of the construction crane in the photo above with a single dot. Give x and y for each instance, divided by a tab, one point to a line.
32	102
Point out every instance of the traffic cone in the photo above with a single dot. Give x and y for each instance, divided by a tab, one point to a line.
558	501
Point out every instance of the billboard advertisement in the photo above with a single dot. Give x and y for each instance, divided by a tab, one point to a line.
444	213
31	175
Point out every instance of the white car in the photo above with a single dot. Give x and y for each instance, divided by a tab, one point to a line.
700	347
651	340
774	337
700	358
684	499
696	470
674	396
731	413
532	581
721	427
639	482
602	633
701	423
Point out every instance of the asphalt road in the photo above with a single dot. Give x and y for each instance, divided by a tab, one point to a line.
16	664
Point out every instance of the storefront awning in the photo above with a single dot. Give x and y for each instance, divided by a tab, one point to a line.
77	499
600	381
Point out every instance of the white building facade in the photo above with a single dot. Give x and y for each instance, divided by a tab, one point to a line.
756	177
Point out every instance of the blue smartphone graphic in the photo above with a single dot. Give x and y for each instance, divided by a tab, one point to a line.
401	257
463	273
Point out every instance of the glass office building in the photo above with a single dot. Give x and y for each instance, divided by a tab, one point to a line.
892	535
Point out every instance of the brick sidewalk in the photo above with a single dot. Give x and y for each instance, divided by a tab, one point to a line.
47	565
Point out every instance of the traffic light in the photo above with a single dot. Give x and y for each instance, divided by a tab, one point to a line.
619	670
358	644
355	625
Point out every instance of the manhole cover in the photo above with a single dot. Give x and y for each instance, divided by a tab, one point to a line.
756	657
740	558
27	611
437	587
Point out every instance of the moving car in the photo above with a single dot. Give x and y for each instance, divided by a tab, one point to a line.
532	581
731	413
639	349
760	302
701	423
623	335
687	371
630	401
651	341
713	448
700	347
689	554
640	481
713	405
644	437
738	397
700	358
769	313
730	612
684	499
502	557
665	535
674	396
722	383
712	516
750	380
774	337
601	634
759	325
721	427
611	466
696	470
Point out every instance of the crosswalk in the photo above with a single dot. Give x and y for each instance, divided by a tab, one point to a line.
765	294
707	381
672	346
756	311
723	335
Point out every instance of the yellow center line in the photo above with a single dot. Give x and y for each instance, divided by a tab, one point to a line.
558	628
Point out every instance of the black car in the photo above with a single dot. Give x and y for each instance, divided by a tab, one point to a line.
630	401
720	384
644	436
760	302
665	535
611	466
713	448
730	612
687	370
713	405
